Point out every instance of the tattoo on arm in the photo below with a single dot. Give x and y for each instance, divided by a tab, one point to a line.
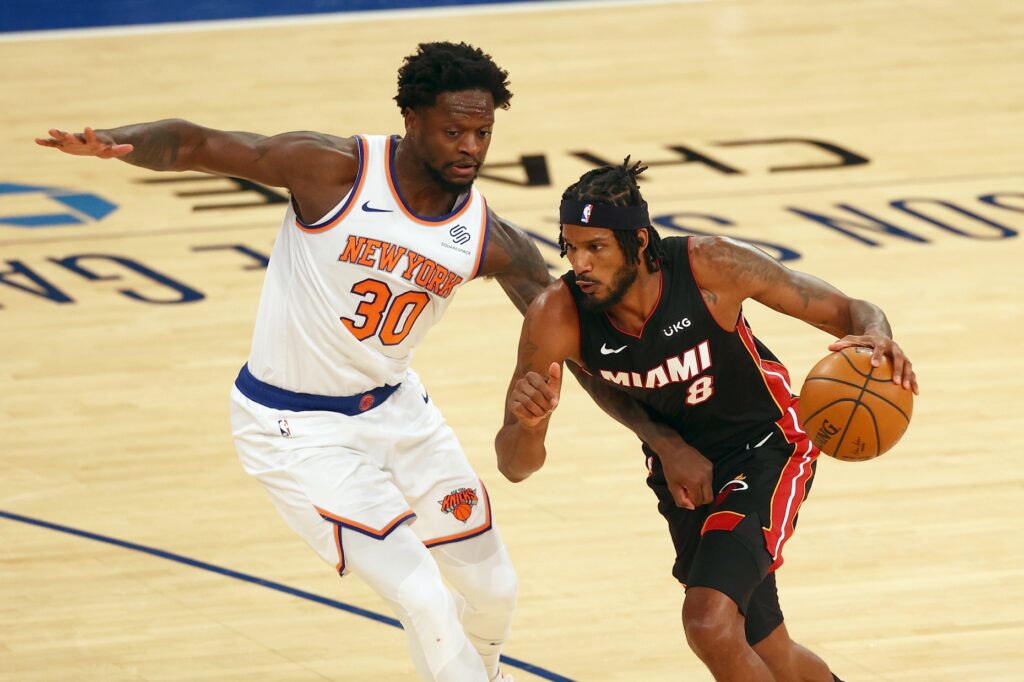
524	274
529	350
156	148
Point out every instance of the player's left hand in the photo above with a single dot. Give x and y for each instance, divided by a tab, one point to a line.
902	368
87	143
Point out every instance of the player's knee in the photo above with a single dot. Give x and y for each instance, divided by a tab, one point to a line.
709	622
503	588
704	633
493	589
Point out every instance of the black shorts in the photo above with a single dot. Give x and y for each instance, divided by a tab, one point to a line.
734	544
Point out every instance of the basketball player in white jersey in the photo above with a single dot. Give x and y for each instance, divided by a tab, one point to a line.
380	234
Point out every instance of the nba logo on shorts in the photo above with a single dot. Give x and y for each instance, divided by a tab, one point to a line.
587	210
282	425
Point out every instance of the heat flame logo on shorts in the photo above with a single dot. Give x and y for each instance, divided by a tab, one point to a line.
738	483
459	503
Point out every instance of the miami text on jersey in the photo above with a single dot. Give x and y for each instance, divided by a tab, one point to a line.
676	369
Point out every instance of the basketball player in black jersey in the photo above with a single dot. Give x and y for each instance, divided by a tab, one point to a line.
662	320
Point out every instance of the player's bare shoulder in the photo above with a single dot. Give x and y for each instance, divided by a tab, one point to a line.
552	322
320	155
513	258
508	248
322	169
722	265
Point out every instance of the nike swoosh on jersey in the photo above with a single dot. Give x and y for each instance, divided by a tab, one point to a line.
370	209
605	350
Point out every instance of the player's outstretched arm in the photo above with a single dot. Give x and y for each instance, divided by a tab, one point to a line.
292	160
730	271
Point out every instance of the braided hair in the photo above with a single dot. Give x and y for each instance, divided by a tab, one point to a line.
449	67
617	186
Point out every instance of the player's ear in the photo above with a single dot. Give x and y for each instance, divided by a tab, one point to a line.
645	238
411	121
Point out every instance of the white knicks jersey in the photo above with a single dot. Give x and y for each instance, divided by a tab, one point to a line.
347	298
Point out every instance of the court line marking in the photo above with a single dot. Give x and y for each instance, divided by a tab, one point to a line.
273	222
543	673
333	18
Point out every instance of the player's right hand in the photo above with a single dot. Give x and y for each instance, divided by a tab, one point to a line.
688	474
534	396
87	143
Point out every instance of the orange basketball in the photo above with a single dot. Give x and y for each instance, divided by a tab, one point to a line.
851	410
462	512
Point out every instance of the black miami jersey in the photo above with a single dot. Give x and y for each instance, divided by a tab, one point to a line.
724	391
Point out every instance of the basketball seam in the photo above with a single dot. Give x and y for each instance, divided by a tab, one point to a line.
828	405
853	366
853	412
863	389
874	421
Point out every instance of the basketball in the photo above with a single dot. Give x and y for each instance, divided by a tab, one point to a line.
851	410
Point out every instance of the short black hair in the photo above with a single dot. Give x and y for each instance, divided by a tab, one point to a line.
449	67
617	186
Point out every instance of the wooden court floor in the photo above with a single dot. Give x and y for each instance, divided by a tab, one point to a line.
878	144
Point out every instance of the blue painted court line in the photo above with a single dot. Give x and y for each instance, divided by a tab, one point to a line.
301	594
37	15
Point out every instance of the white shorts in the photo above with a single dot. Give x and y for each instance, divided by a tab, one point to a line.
397	462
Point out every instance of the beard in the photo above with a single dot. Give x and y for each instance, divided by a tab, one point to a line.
624	279
444	183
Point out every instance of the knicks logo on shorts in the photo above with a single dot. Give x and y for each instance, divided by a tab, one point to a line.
738	483
459	503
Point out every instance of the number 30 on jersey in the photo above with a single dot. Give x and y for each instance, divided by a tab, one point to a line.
389	317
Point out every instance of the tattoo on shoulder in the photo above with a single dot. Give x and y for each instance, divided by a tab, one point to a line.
709	295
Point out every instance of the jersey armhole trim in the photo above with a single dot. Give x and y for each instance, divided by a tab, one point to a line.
336	216
485	233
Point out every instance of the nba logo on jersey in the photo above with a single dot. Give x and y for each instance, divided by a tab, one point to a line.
587	210
282	425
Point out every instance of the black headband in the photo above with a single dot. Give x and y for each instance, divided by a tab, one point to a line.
590	214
